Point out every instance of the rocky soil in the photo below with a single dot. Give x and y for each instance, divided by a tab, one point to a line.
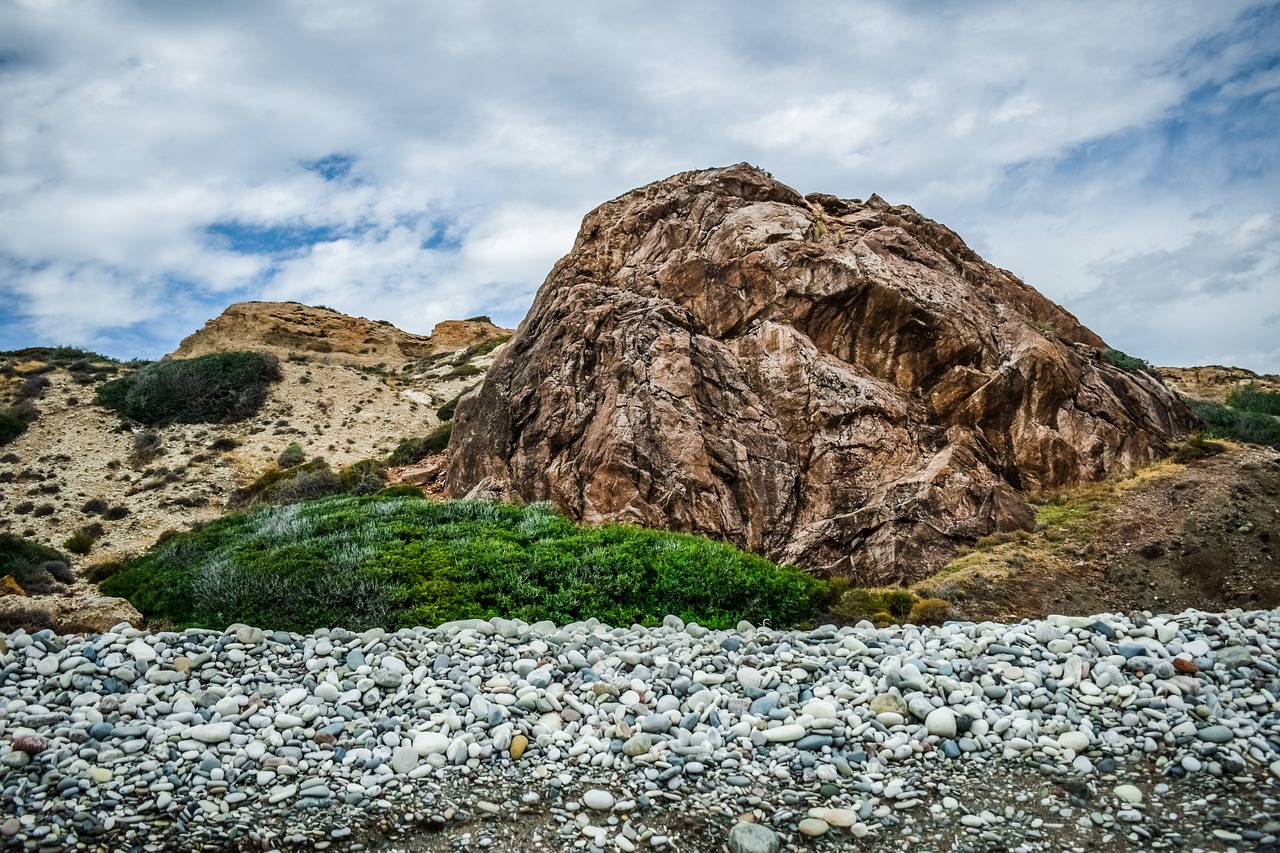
1109	732
835	383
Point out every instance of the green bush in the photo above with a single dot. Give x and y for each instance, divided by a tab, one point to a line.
34	566
464	371
1241	425
1251	398
929	611
402	561
1125	362
12	425
210	389
80	542
410	450
292	455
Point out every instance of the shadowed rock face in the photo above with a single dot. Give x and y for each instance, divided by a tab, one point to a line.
840	384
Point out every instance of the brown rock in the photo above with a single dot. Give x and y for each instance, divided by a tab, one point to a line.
1185	666
92	614
836	383
286	328
9	586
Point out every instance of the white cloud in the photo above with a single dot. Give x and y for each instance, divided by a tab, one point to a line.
1065	144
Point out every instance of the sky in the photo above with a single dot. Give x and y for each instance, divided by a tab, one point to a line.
419	161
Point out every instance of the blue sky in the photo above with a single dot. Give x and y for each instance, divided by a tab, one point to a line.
420	161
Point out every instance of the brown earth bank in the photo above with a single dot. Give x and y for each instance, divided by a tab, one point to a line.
1174	536
839	384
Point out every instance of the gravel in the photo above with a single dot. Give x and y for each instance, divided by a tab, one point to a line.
1107	732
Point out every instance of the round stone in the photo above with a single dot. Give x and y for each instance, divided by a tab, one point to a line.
519	744
1128	793
813	827
941	722
753	838
598	800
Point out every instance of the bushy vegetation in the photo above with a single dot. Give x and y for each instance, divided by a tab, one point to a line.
292	455
212	388
891	605
1125	362
14	421
1229	422
410	450
1251	398
310	481
404	561
34	566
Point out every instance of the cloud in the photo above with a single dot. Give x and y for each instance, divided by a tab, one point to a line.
422	161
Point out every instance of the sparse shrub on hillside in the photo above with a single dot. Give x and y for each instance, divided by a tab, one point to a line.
1236	424
79	542
485	347
1195	447
410	450
1125	362
1251	398
12	425
94	506
32	387
44	510
146	446
116	513
364	477
209	389
34	566
401	490
890	606
99	572
463	371
479	318
292	455
401	561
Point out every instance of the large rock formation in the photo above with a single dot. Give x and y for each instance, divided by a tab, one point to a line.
287	328
840	384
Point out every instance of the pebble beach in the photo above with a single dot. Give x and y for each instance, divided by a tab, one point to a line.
1109	732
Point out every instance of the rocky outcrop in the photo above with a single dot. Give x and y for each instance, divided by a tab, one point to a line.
288	328
92	614
1214	382
840	384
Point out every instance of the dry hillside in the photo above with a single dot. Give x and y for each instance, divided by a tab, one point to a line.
79	464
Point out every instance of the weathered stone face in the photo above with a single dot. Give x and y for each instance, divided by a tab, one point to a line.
838	384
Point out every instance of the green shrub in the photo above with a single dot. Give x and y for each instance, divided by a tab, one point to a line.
401	490
486	347
410	450
1240	425
899	603
464	371
34	566
12	425
292	455
79	542
1251	398
1125	362
364	477
445	412
401	561
210	389
479	318
929	611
